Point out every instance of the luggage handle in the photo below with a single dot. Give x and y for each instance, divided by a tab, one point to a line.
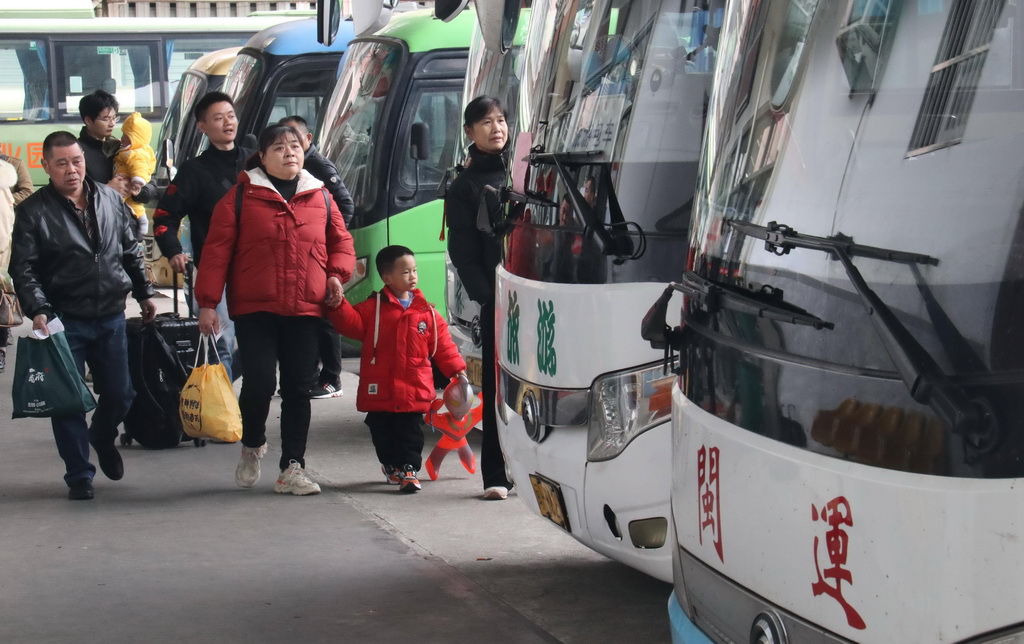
189	290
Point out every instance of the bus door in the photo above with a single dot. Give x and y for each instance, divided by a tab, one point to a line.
431	119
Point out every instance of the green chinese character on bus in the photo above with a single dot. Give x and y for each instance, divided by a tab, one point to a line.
512	329
546	359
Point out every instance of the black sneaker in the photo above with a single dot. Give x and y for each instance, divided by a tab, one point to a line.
110	462
81	490
325	390
409	481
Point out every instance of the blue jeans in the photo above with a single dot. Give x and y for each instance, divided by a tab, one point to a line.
226	349
101	343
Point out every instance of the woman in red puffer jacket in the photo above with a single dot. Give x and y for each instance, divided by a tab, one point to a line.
283	252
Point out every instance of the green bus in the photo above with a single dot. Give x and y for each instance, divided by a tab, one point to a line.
391	127
48	64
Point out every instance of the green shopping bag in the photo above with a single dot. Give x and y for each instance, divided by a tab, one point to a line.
46	381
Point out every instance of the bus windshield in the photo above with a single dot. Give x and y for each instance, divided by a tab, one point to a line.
355	114
243	78
885	202
620	95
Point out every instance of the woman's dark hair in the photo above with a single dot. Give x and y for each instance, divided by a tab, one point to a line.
268	137
480	107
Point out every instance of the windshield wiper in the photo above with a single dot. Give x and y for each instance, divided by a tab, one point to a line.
613	239
924	379
765	303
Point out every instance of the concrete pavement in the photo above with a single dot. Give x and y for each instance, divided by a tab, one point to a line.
177	552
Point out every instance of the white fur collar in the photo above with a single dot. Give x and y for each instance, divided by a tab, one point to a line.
258	177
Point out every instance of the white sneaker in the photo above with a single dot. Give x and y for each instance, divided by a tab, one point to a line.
496	493
294	480
248	471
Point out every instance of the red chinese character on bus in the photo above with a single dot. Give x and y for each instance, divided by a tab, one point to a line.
35	155
836	513
708	498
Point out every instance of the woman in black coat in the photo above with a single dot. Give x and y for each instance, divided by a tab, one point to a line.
475	254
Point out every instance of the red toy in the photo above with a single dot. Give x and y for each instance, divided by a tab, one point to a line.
453	435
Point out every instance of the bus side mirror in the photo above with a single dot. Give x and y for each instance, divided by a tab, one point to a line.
654	327
167	157
419	141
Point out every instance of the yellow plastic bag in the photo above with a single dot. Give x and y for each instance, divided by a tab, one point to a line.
208	407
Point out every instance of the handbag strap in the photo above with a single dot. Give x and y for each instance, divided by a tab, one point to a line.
204	349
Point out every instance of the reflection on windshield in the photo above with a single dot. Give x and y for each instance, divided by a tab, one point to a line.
629	87
354	117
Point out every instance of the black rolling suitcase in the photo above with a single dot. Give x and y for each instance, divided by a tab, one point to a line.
160	358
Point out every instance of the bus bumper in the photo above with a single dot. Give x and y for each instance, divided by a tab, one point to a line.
683	630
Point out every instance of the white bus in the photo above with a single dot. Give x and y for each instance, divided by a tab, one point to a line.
846	439
611	115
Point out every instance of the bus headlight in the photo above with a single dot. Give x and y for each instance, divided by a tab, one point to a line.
359	272
625	405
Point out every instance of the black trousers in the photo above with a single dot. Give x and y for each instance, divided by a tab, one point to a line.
271	342
329	344
397	437
492	461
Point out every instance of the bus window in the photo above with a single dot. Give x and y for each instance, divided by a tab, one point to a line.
183	51
127	71
302	94
24	91
439	110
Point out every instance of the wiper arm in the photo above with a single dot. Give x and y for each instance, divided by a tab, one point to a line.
922	376
619	245
766	303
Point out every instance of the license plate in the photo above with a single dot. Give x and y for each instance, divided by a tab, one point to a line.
474	371
550	501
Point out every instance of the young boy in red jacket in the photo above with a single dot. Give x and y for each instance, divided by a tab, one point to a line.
400	332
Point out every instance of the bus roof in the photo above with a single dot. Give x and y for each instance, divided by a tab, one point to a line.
216	63
422	32
138	25
298	37
50	9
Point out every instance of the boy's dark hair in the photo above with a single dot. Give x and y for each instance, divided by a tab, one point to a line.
480	107
387	256
58	139
209	99
268	137
93	104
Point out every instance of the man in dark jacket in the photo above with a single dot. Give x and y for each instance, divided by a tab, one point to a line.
196	189
99	114
75	255
329	376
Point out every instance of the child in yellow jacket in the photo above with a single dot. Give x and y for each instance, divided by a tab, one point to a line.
136	161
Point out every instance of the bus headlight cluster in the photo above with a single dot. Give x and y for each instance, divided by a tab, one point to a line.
359	272
625	405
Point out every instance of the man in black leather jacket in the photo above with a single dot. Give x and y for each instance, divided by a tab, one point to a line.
75	256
